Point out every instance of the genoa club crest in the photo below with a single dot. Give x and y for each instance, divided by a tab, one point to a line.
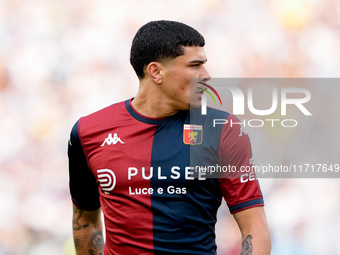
192	134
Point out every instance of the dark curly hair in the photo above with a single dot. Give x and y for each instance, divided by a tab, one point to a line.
161	40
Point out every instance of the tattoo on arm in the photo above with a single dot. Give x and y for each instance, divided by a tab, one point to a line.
80	242
77	213
247	246
96	244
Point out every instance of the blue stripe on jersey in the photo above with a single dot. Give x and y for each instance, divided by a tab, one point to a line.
83	186
170	218
183	223
245	205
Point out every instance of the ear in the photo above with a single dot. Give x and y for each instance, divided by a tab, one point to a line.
154	69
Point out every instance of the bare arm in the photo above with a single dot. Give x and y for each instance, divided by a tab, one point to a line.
87	232
255	231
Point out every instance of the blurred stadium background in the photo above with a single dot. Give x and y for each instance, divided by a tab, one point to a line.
62	59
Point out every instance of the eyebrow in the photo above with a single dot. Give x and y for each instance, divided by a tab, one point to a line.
198	61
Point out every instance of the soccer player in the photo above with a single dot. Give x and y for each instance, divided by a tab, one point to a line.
135	160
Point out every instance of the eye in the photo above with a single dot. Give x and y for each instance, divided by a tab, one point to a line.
195	66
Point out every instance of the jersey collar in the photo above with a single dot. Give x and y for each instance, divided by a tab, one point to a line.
153	121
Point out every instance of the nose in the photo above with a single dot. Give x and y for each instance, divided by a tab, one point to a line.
204	76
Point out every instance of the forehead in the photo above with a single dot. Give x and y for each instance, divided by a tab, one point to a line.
193	53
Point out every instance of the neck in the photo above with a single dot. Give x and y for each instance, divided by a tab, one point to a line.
151	103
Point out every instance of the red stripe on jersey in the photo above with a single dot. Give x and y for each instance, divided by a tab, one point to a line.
112	139
238	188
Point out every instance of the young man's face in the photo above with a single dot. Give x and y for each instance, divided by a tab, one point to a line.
177	75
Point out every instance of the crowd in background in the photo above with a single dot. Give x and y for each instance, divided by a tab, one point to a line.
63	59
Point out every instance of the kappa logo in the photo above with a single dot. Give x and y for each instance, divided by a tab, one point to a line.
243	131
251	161
112	140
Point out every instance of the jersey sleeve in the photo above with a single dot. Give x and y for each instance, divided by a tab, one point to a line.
83	185
239	186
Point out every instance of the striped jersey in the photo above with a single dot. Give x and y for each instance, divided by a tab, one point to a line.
160	182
